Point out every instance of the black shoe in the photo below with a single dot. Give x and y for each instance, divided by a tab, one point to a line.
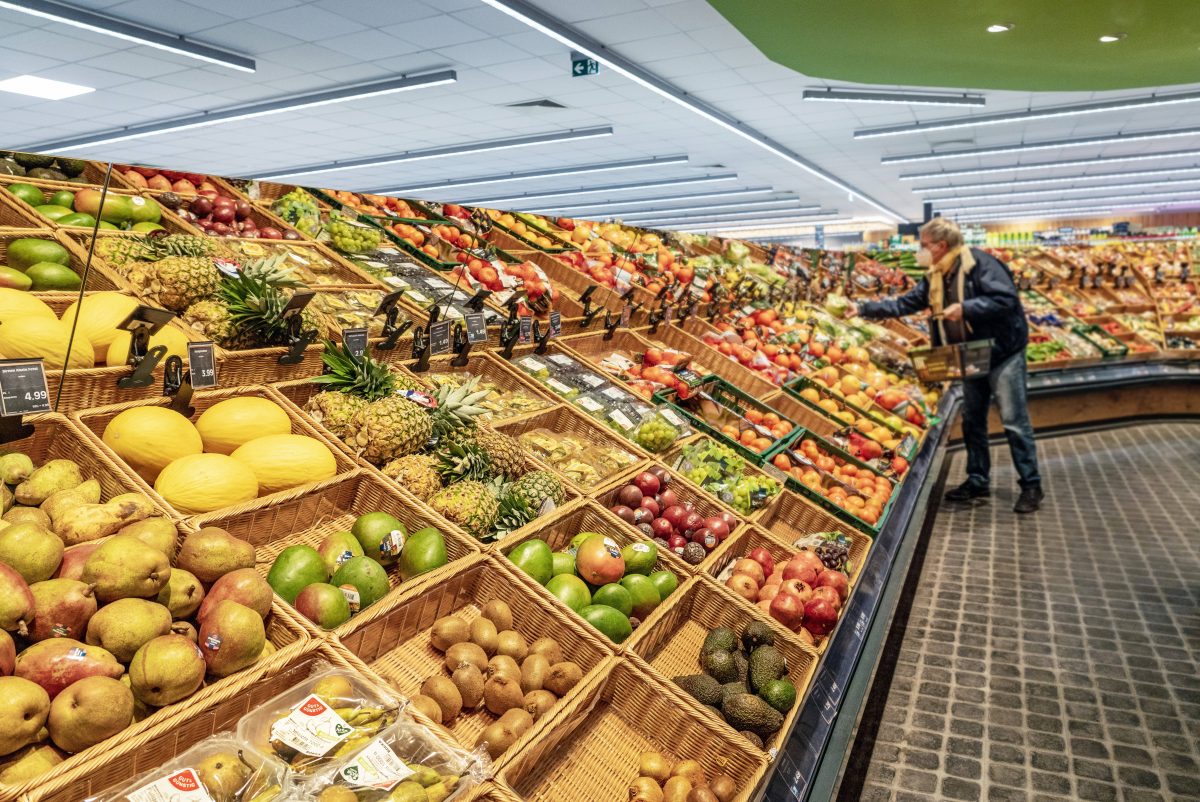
968	491
1030	500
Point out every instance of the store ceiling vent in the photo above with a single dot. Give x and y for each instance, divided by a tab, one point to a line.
544	103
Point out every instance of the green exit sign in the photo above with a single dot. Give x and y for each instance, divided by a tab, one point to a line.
582	65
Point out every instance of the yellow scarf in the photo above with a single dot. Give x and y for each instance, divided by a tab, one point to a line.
936	276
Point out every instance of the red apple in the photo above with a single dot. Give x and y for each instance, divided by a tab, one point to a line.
630	496
743	586
763	558
800	570
648	483
662	527
750	568
201	207
730	520
676	515
800	590
836	580
828	594
677	543
820	617
651	505
717	526
705	538
768	591
787	609
692	521
211	194
641	515
668	498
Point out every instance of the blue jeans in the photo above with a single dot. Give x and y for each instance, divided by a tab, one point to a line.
1005	382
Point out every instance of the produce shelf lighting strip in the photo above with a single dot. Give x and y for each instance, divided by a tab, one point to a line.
570	193
1133	157
613	207
993	150
655	161
1144	197
1062	179
1110	188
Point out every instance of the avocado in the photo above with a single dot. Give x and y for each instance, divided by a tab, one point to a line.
766	664
48	276
71	167
46	174
720	639
33	159
701	687
719	665
732	689
744	711
424	550
752	738
10	167
779	694
743	666
757	634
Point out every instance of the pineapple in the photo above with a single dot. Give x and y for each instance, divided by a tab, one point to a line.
176	282
418	473
335	410
506	454
535	488
471	505
255	298
210	319
514	513
457	462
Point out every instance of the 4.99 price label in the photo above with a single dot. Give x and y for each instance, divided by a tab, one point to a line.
23	388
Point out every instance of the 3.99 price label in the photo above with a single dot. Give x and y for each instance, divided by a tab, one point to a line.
202	365
23	388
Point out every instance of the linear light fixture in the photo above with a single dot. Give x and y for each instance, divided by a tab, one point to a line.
902	98
1145	197
791	204
1048	113
730	217
44	88
1133	157
627	205
1108	139
130	32
293	103
656	161
1064	179
674	182
1069	190
555	29
1054	213
777	224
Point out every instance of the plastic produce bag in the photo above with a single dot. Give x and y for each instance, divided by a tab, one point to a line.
407	762
218	769
327	717
657	432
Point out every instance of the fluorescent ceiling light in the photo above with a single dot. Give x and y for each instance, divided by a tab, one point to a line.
791	204
779	224
611	187
130	32
555	29
1108	139
293	103
1134	157
732	217
1064	179
1000	27
629	203
1110	188
1146	197
656	161
572	135
1054	213
1112	37
1048	113
903	98
45	88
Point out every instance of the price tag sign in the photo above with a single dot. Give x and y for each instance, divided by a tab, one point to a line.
202	365
626	313
555	324
775	473
355	340
476	328
526	328
23	387
439	337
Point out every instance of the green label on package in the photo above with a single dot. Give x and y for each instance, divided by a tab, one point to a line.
376	766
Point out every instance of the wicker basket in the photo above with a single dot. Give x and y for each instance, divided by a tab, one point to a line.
98	279
332	506
393	640
94	422
493	791
168	220
792	516
15	214
670	640
565	420
732	371
218	711
589	752
751	537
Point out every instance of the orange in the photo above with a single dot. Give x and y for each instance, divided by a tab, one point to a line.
754	415
762	444
782	462
770	419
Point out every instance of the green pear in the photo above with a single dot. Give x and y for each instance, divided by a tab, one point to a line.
125	625
124	567
27	515
182	594
88	712
165	670
62	608
55	475
24	706
29	763
231	637
244	586
86	493
210	553
158	532
7	499
16	601
223	775
141	710
31	549
15	468
57	663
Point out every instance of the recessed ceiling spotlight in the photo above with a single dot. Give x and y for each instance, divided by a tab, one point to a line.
1000	27
1109	38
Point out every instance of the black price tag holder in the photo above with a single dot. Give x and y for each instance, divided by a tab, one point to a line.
542	340
656	317
393	326
585	298
142	323
462	346
475	303
23	391
420	350
298	338
177	386
611	322
355	340
510	332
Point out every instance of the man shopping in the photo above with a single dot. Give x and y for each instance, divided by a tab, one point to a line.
972	296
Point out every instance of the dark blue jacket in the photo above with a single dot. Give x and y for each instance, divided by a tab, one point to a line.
992	306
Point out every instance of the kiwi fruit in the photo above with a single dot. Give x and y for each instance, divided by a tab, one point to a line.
502	693
469	681
692	770
428	707
499	613
517	721
445	693
448	631
484	635
512	643
703	794
548	647
723	787
677	789
465	652
562	677
497	740
656	766
539	703
503	664
534	669
645	788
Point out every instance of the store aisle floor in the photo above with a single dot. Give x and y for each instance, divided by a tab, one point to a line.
1057	656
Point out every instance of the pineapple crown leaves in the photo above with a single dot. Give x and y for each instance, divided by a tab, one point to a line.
463	462
256	300
357	375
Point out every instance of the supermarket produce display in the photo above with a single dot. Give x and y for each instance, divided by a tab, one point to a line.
471	503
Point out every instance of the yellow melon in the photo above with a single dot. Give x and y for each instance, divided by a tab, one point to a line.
150	438
234	422
282	461
18	303
206	482
102	313
175	340
46	337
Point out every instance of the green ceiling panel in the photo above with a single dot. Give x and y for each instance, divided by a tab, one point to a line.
1054	45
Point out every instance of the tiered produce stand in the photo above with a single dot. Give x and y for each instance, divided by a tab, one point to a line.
527	508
